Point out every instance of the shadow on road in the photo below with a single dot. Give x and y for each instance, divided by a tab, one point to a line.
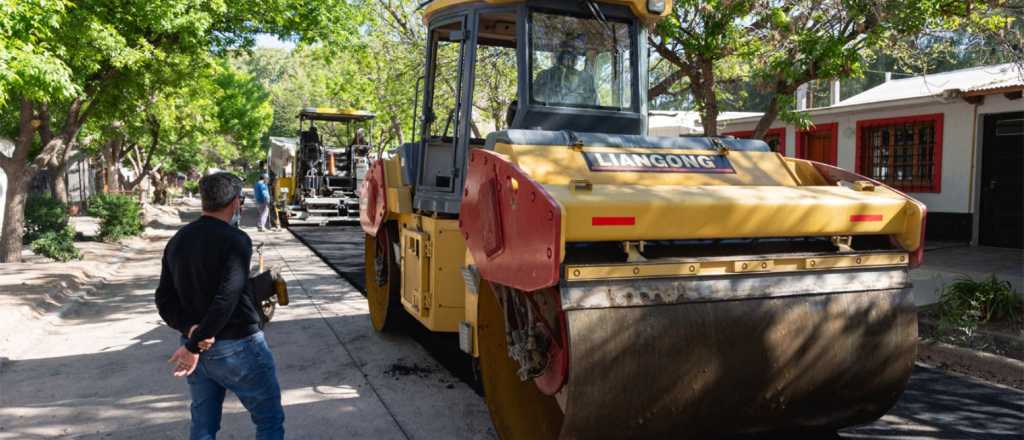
127	392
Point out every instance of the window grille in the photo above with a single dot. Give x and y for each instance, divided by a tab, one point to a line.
902	153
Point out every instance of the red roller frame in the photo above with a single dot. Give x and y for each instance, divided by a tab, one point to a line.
557	371
512	226
373	199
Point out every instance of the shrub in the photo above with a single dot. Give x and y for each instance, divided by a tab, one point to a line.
58	245
120	216
191	186
965	303
43	214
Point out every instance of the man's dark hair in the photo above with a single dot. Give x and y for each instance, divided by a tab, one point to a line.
218	190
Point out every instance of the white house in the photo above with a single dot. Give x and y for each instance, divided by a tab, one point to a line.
954	140
674	123
7	150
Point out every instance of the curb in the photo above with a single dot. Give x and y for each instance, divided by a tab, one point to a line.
987	366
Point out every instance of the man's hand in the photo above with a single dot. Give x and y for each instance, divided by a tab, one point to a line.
184	361
205	344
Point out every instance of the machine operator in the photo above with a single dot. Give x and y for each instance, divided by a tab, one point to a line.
563	83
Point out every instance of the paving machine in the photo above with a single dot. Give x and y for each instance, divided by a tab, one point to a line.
616	285
329	161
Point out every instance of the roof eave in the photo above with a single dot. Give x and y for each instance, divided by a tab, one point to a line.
839	109
994	91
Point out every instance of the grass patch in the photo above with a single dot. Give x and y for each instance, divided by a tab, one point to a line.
967	303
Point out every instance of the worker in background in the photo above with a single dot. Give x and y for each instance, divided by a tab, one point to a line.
205	294
311	136
562	83
359	145
272	182
275	221
262	194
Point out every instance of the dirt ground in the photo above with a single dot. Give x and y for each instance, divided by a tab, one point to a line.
83	354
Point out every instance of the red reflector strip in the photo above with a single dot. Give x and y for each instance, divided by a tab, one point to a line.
866	218
612	221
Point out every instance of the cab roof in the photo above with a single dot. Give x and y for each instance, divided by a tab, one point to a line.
639	7
335	114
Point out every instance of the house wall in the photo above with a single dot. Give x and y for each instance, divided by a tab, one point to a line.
950	211
957	137
6	150
1000	104
3	196
80	180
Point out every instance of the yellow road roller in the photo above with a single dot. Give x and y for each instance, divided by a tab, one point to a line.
616	285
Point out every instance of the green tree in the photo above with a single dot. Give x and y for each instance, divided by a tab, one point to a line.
696	40
774	47
804	41
70	64
30	70
219	117
376	74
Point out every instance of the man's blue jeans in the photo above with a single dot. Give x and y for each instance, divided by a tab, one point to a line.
246	368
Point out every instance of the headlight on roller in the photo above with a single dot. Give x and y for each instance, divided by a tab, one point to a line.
656	6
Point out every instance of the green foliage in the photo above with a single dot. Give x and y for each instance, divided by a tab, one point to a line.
116	57
44	214
376	69
747	55
191	186
29	65
58	245
47	230
702	43
966	303
243	111
125	69
217	119
120	216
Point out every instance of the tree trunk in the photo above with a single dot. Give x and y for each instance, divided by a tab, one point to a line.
56	167
57	174
705	87
476	130
19	173
771	112
56	151
112	156
14	211
396	127
159	188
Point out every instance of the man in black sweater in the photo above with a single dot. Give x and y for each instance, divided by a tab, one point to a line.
205	294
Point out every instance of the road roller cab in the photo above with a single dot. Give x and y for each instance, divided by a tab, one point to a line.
613	284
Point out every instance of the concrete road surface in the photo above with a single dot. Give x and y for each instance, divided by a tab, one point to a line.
101	371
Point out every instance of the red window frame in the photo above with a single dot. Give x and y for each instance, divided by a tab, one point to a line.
937	118
747	134
832	127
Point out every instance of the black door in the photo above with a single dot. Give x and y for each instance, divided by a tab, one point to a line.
1002	187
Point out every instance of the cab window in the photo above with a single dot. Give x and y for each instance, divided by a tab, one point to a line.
580	62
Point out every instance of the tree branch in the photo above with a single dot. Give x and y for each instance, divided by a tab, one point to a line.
665	85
